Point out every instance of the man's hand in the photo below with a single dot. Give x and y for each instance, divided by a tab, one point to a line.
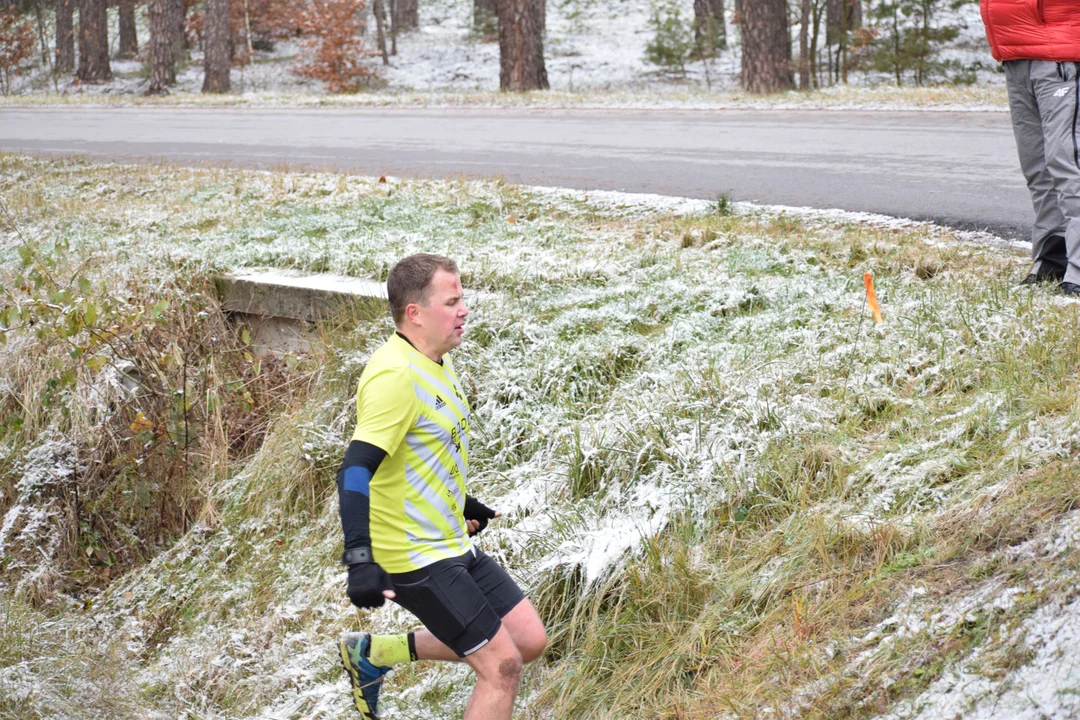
369	585
477	515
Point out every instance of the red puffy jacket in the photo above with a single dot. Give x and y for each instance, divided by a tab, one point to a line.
1033	29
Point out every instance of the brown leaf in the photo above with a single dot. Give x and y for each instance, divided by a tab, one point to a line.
140	423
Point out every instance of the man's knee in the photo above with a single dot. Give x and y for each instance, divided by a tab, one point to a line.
531	645
505	670
498	662
527	629
510	670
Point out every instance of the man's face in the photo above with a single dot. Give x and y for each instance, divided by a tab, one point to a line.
442	318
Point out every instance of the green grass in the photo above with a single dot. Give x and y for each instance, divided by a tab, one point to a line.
720	478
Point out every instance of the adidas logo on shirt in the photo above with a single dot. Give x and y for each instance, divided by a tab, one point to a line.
439	403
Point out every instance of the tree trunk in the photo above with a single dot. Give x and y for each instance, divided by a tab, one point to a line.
841	16
65	36
408	14
177	21
395	21
380	29
804	46
93	42
217	63
710	34
766	60
129	41
162	60
521	46
485	16
44	44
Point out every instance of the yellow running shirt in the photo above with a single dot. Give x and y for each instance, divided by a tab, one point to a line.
415	410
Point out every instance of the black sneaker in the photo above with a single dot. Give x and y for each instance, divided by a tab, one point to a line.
1069	289
1049	273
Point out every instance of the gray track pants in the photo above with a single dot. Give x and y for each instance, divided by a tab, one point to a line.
1044	101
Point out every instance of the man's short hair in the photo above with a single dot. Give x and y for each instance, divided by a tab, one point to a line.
410	281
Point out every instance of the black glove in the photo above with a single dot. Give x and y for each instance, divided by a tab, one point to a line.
478	511
366	584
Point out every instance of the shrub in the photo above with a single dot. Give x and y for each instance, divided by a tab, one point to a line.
905	39
258	24
672	42
129	399
16	46
332	37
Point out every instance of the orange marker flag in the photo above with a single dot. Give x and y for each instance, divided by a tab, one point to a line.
871	297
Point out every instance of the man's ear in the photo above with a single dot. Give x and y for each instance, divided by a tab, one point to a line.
412	313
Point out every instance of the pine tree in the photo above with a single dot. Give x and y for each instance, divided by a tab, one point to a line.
842	18
486	17
671	43
710	32
766	59
127	39
906	38
65	36
93	42
162	59
521	46
217	62
407	15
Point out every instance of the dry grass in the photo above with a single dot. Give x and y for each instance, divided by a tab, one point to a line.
887	98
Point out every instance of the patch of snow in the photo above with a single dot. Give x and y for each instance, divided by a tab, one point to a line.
1045	686
327	282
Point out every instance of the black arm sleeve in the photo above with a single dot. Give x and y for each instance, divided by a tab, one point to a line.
354	491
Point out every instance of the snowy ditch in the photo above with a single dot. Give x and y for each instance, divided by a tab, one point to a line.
622	374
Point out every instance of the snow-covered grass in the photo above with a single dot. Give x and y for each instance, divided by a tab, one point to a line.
594	54
728	491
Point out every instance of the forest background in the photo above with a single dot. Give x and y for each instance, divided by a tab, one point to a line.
649	47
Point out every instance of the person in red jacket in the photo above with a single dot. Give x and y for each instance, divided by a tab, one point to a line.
1038	41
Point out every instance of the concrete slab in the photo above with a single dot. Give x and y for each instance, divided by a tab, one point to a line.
295	295
274	335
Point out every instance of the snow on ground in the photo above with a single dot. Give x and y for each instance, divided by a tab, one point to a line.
618	203
1045	685
744	336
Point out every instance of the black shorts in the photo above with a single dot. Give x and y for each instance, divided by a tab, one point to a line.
461	600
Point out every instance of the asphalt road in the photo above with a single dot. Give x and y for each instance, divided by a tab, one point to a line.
955	168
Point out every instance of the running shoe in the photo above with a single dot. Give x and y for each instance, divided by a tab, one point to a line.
366	678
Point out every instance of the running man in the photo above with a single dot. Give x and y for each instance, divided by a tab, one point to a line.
406	516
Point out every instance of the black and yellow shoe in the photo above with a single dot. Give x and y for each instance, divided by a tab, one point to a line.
366	678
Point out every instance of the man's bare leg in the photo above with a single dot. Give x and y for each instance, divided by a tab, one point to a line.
497	665
498	674
522	623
